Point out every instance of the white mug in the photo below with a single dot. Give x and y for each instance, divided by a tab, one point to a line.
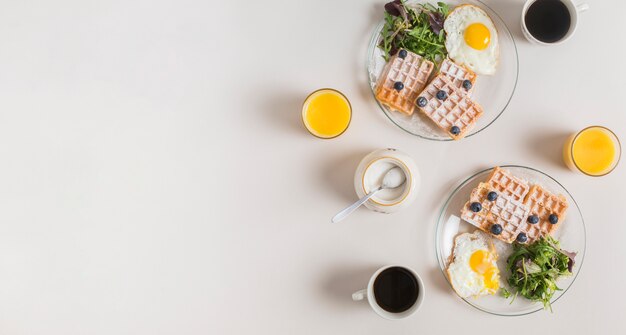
368	293
573	12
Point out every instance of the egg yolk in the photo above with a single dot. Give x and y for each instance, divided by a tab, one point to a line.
477	36
482	262
491	277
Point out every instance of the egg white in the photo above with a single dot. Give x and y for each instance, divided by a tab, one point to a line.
480	61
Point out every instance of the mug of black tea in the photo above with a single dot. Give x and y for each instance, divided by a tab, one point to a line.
549	22
394	292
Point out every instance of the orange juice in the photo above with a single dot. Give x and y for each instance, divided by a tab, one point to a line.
594	151
326	113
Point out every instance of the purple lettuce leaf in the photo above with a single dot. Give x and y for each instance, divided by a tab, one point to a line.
571	255
436	21
394	8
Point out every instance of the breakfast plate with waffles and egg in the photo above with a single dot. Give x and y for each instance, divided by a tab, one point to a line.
510	240
442	71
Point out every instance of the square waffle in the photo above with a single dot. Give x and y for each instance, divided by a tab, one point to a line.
457	74
543	203
413	72
479	219
512	215
456	110
516	201
506	183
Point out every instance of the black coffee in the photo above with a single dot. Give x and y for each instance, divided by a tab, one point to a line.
548	20
396	289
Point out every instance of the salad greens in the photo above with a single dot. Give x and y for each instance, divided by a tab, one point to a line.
417	28
535	268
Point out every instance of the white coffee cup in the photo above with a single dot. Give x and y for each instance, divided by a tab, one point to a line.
368	293
573	12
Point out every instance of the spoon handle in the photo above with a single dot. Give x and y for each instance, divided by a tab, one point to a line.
344	213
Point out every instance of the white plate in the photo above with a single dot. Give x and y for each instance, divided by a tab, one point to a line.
493	93
571	235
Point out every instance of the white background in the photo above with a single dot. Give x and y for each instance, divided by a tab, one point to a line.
155	177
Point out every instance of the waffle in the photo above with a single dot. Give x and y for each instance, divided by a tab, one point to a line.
516	201
479	219
506	183
456	110
543	203
413	71
512	215
457	74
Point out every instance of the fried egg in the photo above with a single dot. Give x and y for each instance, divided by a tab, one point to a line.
473	270
472	39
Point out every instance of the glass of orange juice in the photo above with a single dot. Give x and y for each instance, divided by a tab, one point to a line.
594	151
326	113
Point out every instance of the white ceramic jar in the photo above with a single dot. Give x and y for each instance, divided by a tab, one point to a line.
369	176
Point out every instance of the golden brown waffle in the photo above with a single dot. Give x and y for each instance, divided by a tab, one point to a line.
413	72
512	215
516	201
543	203
478	219
457	74
457	109
507	184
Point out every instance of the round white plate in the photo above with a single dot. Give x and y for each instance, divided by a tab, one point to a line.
571	235
493	93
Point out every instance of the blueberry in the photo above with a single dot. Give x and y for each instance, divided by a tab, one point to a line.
553	219
521	238
398	85
467	85
496	229
421	101
476	207
492	196
402	54
533	219
455	130
442	95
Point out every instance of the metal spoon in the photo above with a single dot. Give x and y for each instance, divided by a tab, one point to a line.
393	178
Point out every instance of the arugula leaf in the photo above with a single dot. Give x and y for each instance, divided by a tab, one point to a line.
534	269
418	29
443	9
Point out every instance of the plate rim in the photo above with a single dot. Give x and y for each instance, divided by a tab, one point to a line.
445	206
371	47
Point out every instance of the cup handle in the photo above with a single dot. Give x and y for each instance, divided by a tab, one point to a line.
359	295
582	7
